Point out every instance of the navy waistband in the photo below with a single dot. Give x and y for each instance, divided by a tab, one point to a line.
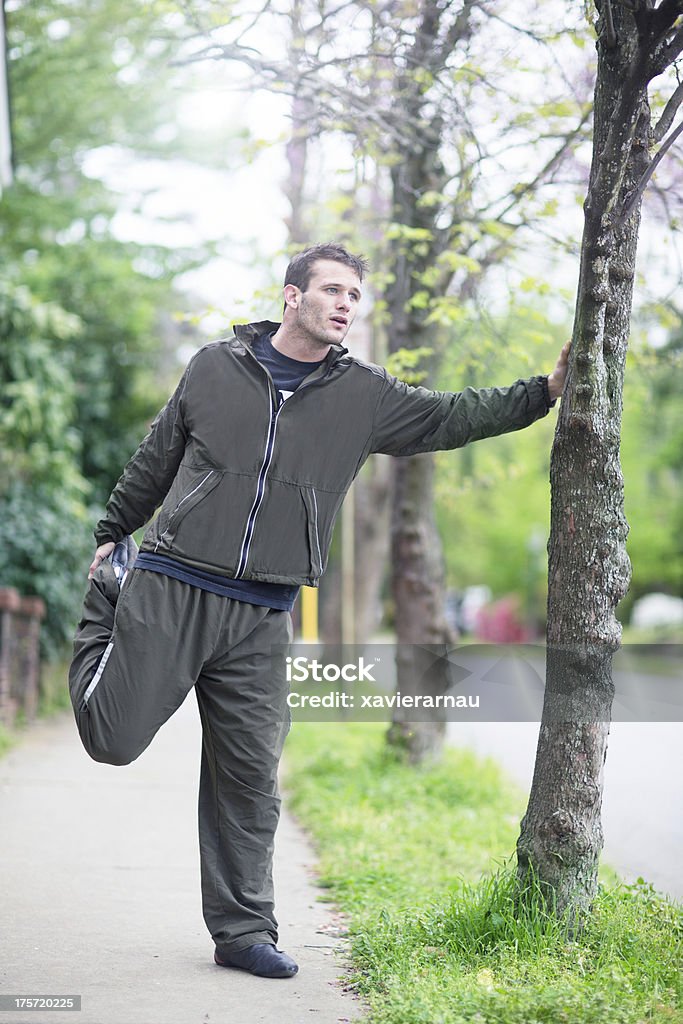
270	595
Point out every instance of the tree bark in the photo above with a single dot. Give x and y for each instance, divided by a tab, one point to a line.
372	544
417	564
371	493
296	152
589	572
418	592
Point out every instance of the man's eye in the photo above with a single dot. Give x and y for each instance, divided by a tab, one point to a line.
333	290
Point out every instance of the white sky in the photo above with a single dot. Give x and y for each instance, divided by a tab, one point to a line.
177	203
241	207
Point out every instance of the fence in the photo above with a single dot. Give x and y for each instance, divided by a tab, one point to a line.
20	619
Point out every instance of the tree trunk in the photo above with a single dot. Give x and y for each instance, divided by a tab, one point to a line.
418	592
296	149
371	493
417	171
561	833
417	564
296	152
372	544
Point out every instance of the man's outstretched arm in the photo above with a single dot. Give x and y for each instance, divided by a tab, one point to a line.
410	420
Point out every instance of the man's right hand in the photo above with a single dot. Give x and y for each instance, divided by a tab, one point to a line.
558	378
103	551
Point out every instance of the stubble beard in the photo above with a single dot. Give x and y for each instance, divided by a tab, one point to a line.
316	329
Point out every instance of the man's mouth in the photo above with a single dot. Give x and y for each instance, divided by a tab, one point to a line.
339	320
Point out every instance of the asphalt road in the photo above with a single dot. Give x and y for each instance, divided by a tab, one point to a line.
643	792
643	782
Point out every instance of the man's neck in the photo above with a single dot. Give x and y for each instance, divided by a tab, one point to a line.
298	346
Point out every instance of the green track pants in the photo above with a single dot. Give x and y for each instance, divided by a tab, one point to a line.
137	654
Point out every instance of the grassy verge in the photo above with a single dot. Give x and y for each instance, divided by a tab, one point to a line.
416	859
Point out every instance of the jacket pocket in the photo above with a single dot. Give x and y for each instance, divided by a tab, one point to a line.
315	555
189	488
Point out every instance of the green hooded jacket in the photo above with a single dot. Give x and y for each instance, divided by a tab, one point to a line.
250	489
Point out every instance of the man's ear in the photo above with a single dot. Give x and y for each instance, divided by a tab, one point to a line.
292	296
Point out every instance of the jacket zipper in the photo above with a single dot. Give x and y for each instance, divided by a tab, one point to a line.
265	466
260	491
97	676
182	502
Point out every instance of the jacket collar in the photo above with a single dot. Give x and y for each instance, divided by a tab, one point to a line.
248	333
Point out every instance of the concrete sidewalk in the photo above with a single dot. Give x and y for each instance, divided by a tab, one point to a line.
100	897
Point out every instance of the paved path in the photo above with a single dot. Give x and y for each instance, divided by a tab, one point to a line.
99	893
643	794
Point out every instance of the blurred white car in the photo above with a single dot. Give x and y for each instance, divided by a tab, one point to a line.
657	610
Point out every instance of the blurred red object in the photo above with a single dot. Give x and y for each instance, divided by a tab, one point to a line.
501	622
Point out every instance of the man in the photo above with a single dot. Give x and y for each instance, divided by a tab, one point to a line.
250	461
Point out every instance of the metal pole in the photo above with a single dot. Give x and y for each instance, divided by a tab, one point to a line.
309	615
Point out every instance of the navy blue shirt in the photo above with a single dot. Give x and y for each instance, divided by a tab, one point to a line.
287	375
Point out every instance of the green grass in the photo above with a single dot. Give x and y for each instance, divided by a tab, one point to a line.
417	860
54	688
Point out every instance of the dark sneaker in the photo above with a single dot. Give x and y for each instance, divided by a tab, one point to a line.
261	959
123	557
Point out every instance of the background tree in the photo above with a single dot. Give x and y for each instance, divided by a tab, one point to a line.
56	223
409	86
561	834
43	495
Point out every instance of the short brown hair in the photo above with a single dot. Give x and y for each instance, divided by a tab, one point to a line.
301	266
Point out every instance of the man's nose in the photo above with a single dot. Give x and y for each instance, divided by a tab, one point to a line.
344	302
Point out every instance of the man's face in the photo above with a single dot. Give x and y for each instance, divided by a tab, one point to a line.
329	305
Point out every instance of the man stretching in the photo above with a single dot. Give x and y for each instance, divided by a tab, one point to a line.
249	460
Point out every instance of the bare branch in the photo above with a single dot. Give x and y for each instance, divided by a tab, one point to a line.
668	114
634	197
554	160
460	30
667	54
224	51
610	33
665	16
257	15
519	29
